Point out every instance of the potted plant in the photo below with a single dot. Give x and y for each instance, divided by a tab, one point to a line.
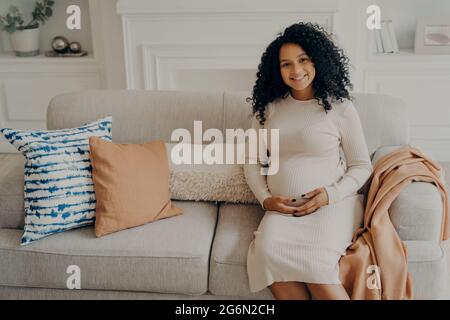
25	37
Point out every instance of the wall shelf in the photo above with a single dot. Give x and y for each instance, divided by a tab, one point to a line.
407	56
407	53
421	80
10	57
27	84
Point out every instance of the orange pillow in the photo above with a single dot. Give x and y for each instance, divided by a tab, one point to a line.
131	183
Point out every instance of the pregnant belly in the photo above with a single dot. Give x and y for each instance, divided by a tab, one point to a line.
298	176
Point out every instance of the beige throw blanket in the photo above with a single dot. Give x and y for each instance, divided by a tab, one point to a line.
377	245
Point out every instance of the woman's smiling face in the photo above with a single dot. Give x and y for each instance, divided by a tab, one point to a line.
297	70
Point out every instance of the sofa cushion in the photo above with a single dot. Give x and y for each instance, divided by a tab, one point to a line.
12	213
207	182
427	263
131	184
139	115
235	227
384	118
234	232
187	182
59	192
167	256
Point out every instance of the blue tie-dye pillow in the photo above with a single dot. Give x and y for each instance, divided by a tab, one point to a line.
59	192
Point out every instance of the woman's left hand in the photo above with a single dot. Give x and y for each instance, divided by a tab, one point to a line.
318	198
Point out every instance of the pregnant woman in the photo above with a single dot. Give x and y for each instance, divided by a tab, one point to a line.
301	89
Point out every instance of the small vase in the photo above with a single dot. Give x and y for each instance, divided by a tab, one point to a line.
25	42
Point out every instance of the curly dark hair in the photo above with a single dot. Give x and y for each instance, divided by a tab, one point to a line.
331	64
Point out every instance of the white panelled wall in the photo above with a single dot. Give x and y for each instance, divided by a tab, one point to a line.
204	40
216	45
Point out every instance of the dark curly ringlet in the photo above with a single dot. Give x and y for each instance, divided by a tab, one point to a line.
331	64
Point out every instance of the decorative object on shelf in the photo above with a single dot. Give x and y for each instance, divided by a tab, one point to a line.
25	37
390	27
63	48
60	44
53	54
75	47
378	41
432	35
385	38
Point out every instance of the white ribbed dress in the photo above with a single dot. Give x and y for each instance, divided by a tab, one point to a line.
308	248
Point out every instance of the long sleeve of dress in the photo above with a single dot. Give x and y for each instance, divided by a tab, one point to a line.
255	180
359	166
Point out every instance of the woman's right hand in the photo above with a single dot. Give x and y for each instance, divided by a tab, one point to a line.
279	204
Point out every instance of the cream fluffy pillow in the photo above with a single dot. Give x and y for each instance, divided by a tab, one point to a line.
216	182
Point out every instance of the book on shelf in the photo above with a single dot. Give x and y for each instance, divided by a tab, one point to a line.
378	41
392	36
385	38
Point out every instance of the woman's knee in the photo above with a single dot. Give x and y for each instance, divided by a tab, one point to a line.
290	290
327	291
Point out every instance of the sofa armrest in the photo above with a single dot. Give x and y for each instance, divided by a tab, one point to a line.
11	191
417	211
382	151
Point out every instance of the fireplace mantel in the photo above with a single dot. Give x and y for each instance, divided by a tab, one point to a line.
139	7
207	44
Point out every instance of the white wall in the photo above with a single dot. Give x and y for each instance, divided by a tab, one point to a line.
109	25
403	13
164	37
346	27
156	34
162	49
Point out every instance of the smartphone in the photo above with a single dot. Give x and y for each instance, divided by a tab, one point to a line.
297	202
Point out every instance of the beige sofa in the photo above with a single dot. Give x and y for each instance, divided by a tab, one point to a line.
202	253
